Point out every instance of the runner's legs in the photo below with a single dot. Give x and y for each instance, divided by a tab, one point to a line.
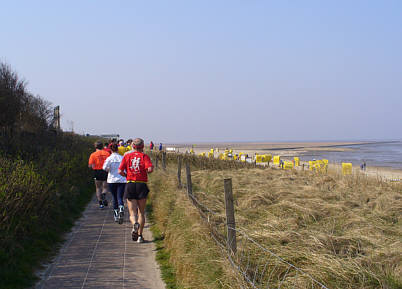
99	185
120	194
105	187
132	208
136	212
141	208
113	187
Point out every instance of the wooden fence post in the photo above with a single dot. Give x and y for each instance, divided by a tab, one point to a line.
164	160
179	172
156	160
189	184
230	217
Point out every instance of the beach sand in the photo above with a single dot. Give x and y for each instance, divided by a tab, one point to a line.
288	150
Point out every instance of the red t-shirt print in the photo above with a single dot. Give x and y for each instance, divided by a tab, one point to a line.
136	164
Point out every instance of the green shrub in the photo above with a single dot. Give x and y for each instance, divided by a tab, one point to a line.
41	194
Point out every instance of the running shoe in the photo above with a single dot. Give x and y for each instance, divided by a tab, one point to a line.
116	215
101	206
121	214
136	226
134	232
140	239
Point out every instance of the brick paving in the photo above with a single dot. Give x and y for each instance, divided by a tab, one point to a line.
99	253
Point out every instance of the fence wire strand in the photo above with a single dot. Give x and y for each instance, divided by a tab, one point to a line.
258	266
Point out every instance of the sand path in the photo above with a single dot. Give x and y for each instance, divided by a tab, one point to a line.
100	253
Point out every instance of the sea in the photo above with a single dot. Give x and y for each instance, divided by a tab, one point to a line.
378	154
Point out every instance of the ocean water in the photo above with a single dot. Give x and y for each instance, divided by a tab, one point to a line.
376	154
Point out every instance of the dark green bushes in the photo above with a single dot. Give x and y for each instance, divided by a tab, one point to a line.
45	182
40	197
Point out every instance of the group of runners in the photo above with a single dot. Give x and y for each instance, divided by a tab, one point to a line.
122	169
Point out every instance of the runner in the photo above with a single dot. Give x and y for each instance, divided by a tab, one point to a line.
95	162
116	182
130	149
106	148
121	148
135	167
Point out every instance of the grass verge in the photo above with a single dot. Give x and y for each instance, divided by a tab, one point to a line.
187	249
162	255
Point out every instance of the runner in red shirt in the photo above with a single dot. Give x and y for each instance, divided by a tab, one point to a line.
135	167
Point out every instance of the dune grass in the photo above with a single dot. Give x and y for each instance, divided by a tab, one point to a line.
193	255
344	231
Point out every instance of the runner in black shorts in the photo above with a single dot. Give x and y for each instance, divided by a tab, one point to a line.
95	162
100	175
135	167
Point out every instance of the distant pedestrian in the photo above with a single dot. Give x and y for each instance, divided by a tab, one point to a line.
135	167
95	162
151	145
116	182
160	147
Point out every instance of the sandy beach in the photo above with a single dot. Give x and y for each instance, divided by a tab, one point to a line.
288	150
284	149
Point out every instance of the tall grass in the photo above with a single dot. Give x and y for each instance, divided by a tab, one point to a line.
344	231
196	260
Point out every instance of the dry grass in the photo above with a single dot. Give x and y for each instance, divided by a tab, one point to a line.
345	231
198	263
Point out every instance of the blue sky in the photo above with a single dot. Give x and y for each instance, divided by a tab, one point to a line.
193	71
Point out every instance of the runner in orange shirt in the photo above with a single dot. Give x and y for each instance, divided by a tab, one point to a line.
95	162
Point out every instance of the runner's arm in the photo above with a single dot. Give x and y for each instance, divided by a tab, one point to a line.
106	165
91	162
122	166
148	164
122	173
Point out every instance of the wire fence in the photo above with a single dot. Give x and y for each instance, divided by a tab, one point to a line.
256	265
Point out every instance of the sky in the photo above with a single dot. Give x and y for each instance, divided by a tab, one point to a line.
211	71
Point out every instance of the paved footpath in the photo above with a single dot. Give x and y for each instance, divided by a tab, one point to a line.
100	253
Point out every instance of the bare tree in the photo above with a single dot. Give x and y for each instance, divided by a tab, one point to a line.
12	91
19	109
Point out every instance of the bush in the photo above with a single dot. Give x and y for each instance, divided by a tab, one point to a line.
44	181
39	200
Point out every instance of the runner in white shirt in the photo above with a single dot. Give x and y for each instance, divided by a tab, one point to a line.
116	182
